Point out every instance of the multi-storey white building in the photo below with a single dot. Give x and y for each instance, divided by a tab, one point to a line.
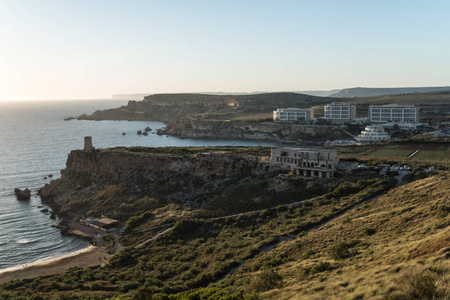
373	134
307	162
393	113
293	114
340	112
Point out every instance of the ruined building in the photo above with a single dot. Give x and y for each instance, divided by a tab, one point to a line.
307	162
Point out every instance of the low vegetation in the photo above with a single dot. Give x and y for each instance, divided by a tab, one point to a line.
357	239
199	252
431	153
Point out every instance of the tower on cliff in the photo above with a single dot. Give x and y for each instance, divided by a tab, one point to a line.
88	143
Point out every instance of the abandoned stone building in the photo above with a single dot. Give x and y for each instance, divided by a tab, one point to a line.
307	162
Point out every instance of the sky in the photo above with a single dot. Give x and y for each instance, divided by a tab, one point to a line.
75	49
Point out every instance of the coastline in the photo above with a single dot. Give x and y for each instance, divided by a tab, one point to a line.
91	256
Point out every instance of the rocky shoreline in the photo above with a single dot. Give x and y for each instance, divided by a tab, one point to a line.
191	127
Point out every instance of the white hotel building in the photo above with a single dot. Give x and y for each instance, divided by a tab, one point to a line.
293	114
393	113
373	134
340	112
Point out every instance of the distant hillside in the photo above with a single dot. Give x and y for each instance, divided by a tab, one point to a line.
169	107
319	93
311	93
371	92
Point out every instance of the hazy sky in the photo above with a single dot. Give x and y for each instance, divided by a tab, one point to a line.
93	49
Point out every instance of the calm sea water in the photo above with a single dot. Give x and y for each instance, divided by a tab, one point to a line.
34	143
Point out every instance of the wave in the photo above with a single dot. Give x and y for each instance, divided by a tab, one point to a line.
26	241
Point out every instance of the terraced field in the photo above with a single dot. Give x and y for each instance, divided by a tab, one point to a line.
429	154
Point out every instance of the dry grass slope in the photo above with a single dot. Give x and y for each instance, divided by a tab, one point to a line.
398	247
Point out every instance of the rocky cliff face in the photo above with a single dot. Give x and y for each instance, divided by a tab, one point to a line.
191	127
167	177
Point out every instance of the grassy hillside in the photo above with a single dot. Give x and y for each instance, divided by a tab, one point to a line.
356	240
395	247
434	153
194	254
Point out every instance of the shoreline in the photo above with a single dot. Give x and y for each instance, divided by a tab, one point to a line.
88	257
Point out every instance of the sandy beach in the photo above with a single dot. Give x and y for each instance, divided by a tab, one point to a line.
92	256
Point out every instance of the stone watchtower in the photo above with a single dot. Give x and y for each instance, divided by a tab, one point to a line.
88	143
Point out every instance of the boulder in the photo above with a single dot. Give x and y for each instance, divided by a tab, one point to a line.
145	133
22	195
123	133
139	132
148	129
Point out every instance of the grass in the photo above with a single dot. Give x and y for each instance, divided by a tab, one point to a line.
397	153
192	151
406	257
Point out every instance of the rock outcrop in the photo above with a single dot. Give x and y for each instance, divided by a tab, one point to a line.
191	127
22	194
175	177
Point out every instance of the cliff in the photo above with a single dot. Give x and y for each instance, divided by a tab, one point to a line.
170	107
119	182
191	127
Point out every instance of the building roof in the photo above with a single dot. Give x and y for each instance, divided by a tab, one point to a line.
104	222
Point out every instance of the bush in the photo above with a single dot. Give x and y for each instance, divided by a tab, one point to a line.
341	249
125	288
124	257
442	211
320	267
136	220
267	280
310	252
369	231
418	286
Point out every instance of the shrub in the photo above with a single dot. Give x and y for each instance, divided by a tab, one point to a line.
341	249
369	230
124	257
136	220
267	280
347	220
310	252
418	286
442	211
320	267
125	288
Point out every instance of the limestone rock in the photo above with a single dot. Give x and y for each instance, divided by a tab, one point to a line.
22	195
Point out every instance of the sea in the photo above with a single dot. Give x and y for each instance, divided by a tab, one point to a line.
35	141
